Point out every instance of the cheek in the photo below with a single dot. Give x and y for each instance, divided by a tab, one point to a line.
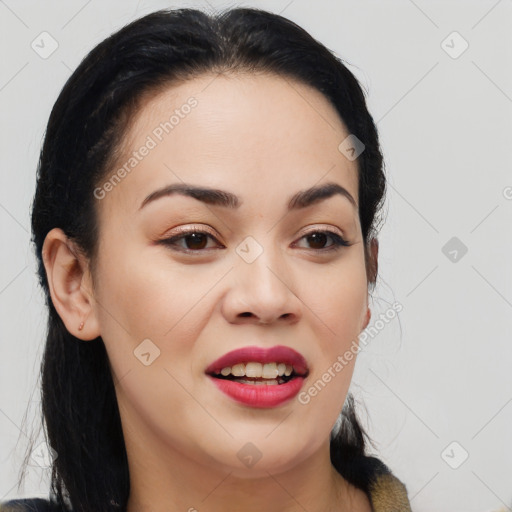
338	304
148	333
143	295
345	306
337	299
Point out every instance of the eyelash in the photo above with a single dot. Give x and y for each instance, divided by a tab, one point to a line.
338	241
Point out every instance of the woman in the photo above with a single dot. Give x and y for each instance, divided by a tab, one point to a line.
205	219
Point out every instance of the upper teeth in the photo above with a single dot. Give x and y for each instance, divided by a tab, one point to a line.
267	370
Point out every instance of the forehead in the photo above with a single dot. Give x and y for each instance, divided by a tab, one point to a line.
245	132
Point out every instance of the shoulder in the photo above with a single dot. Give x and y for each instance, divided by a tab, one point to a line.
29	505
376	484
386	492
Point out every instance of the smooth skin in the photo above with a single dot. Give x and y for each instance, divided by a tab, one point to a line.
263	138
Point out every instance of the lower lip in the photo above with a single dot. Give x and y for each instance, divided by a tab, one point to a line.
265	395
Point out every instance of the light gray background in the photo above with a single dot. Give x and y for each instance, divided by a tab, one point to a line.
439	374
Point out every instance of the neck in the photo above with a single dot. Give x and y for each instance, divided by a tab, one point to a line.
162	479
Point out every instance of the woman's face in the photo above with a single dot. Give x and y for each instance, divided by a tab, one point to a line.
169	304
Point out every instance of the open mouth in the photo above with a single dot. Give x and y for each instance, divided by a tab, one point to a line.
258	374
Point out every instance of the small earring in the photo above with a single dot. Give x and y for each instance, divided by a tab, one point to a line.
81	326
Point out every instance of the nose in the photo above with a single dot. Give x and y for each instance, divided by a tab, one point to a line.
261	292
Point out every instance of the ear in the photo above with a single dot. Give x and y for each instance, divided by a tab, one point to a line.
70	285
367	319
372	265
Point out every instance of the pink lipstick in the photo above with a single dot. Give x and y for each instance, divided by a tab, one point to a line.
260	377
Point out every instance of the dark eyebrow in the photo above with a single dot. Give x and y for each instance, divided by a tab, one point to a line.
313	195
206	195
216	197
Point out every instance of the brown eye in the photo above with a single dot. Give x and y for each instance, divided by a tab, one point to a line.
196	240
192	241
317	240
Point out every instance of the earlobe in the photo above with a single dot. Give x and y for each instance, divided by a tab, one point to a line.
367	319
69	281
